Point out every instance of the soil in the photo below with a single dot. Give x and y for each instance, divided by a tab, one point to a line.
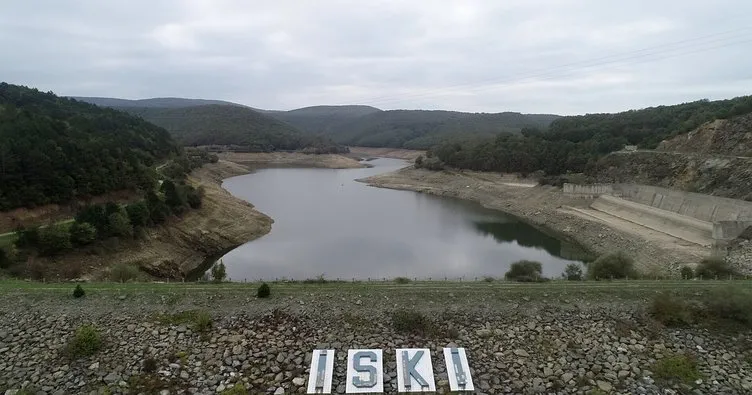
395	153
548	208
290	159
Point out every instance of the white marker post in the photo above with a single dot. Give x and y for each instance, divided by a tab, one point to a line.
365	371
458	370
322	370
414	370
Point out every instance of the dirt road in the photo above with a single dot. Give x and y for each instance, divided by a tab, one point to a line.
543	206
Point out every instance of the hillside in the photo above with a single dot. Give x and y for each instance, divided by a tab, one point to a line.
413	129
731	137
164	102
54	149
227	125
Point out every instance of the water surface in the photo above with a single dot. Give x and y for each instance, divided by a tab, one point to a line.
325	223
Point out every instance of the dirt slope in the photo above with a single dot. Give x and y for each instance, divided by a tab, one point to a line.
290	159
732	137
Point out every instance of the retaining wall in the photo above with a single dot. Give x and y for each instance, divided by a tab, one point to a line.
590	191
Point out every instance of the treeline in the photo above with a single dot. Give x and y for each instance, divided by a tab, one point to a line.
104	221
575	144
55	150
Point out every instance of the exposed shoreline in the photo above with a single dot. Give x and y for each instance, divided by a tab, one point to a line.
539	205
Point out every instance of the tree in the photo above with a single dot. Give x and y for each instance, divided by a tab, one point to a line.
27	238
219	272
263	291
174	196
573	272
119	225
82	233
138	213
54	239
612	266
193	197
524	271
5	260
79	292
419	161
96	216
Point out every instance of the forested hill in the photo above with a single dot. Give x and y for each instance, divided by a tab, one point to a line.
574	144
231	125
417	129
55	149
164	102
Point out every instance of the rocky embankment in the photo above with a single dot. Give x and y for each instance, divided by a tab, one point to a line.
290	159
515	344
540	206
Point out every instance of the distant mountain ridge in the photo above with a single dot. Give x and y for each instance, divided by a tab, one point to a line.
164	102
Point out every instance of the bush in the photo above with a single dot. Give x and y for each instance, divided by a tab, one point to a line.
678	368
612	266
79	292
149	365
54	239
731	303
193	197
123	272
524	271
200	320
715	268
85	342
573	272
119	225
237	389
670	310
419	161
407	321
687	273
401	280
219	272
82	233
489	279
433	164
138	214
5	259
263	291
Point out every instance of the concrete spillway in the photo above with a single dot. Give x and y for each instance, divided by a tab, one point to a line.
671	223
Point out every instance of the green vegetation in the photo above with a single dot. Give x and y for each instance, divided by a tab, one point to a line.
687	273
726	305
236	127
671	311
573	272
732	304
199	320
56	150
218	272
85	342
679	368
149	365
525	271
237	389
263	291
79	292
576	143
401	280
408	321
712	268
489	279
612	266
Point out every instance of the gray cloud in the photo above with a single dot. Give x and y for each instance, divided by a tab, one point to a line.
559	56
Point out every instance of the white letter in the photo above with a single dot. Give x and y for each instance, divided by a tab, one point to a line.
414	370
322	370
458	370
365	372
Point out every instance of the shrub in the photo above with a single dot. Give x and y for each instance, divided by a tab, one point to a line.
419	161
138	214
731	303
54	239
670	310
678	368
82	233
5	259
612	266
149	365
219	272
407	321
193	197
524	271
237	389
687	273
715	268
489	279
79	292
401	280
263	291
123	272
85	342
433	164
573	272
200	320
119	225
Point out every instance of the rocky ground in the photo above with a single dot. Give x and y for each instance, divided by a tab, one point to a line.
290	159
541	206
559	338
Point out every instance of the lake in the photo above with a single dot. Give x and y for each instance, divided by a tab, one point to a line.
326	224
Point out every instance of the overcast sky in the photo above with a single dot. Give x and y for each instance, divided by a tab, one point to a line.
542	56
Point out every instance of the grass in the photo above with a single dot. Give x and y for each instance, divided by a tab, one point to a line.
199	320
85	342
678	368
237	389
7	239
730	306
408	321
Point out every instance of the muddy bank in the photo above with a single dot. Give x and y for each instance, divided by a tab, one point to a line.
290	159
394	153
540	206
182	244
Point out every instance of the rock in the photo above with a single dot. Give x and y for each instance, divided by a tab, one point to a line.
279	391
521	353
298	381
94	366
604	385
566	377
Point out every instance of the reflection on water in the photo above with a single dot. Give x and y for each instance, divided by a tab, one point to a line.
326	223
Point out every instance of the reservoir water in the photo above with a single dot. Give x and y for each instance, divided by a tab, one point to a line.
326	224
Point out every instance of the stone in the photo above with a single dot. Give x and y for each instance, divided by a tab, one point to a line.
521	353
298	381
566	377
604	385
279	391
